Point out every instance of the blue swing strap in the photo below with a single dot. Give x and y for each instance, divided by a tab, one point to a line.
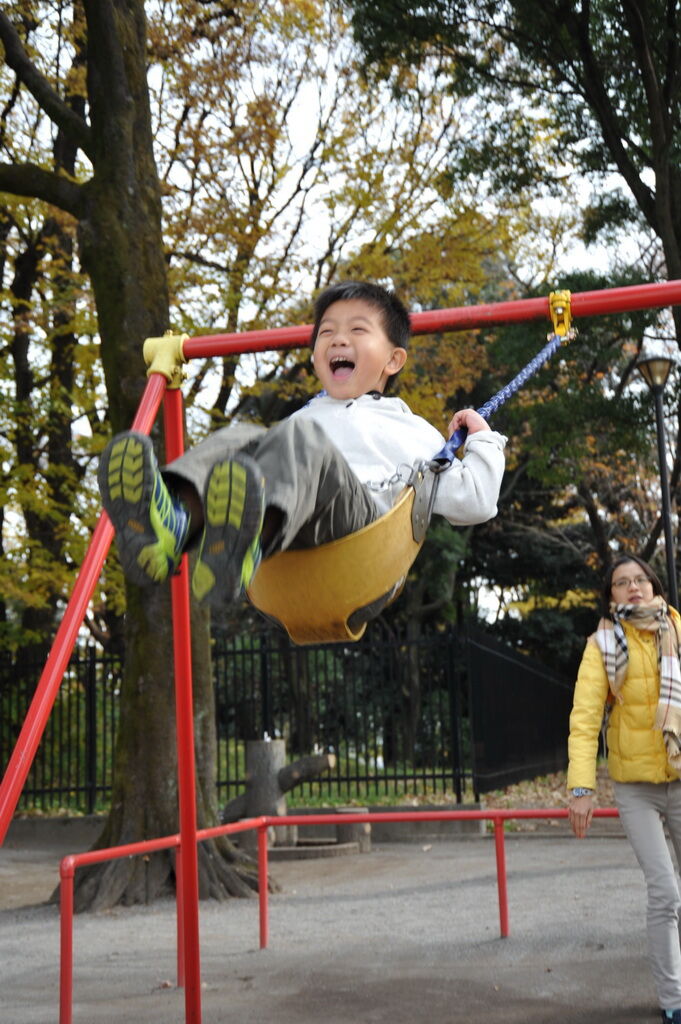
559	305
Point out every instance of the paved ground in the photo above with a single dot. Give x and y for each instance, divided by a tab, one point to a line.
406	934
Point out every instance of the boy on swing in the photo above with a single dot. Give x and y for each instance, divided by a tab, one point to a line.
329	469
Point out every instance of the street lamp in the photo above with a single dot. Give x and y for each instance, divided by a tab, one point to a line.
654	368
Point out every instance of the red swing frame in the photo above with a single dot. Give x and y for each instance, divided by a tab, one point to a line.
157	392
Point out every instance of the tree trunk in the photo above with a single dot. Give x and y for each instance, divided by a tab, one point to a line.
122	250
144	799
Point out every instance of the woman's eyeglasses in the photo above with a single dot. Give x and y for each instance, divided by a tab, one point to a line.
640	581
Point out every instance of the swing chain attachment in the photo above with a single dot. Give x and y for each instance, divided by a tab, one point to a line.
424	481
165	356
561	315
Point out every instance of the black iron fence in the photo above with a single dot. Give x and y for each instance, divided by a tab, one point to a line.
448	714
391	712
73	768
519	713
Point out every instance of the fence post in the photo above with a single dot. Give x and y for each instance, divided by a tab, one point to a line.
66	872
454	687
263	893
472	713
265	689
501	874
91	730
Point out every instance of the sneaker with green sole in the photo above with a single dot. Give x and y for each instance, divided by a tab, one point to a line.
151	526
233	509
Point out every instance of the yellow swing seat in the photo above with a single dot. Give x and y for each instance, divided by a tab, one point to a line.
314	591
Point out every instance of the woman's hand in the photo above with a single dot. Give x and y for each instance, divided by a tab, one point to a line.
580	812
468	418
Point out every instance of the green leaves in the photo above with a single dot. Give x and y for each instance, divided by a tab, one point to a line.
604	75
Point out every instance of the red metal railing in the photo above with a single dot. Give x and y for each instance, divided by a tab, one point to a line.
70	863
583	304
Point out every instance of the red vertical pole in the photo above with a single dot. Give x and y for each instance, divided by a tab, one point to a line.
501	876
48	685
184	714
262	887
66	872
179	915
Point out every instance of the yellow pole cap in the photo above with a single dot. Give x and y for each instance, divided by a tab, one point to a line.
164	355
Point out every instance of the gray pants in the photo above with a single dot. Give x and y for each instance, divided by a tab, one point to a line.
644	809
306	477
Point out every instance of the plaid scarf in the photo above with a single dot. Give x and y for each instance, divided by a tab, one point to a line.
653	617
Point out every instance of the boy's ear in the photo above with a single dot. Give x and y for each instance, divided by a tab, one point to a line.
396	361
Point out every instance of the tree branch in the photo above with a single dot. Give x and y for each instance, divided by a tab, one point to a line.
31	180
596	95
49	101
235	809
596	522
304	769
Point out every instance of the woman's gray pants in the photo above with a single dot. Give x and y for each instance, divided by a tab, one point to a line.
644	808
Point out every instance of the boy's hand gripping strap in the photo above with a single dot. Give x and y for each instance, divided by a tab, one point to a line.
560	314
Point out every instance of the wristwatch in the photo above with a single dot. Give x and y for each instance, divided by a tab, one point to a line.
581	791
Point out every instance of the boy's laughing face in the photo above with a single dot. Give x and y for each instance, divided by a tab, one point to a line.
352	354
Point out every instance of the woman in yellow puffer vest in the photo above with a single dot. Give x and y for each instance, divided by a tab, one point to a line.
631	667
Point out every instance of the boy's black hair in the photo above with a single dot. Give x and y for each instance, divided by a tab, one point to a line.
396	322
606	595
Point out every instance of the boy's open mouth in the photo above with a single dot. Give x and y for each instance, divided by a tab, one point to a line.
341	368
